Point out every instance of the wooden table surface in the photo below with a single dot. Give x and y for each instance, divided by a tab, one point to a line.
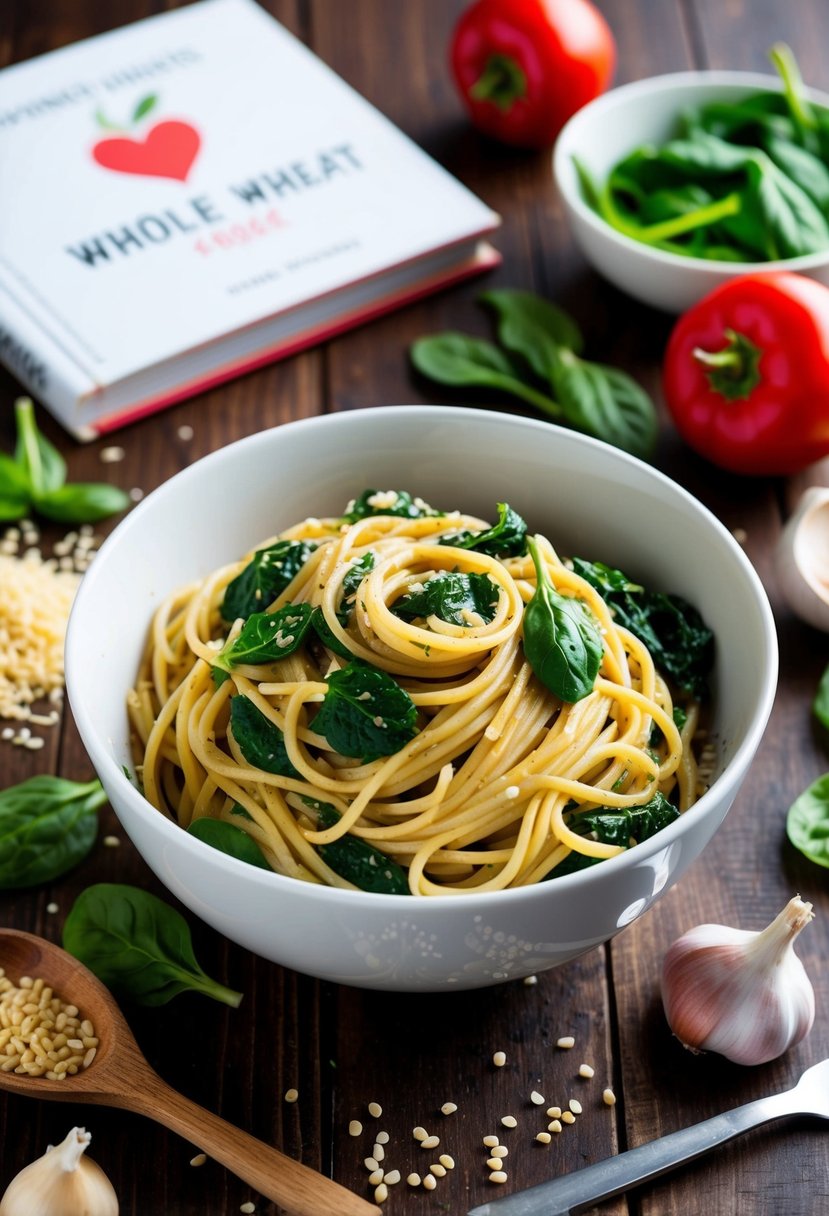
343	1048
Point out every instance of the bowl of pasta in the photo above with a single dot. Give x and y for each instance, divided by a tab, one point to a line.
418	697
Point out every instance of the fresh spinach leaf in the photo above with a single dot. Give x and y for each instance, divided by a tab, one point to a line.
507	538
36	480
605	402
260	741
268	573
562	639
228	839
137	945
455	359
620	826
389	502
365	713
267	637
350	585
807	822
803	167
533	327
451	596
681	644
82	502
794	222
820	705
356	860
47	826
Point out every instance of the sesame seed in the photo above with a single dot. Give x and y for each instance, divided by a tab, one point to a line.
112	455
575	1106
375	1109
355	1127
437	1169
448	1108
536	1098
512	791
544	1137
291	1095
52	908
392	1178
136	493
530	980
378	1152
509	1121
111	842
382	1138
447	1161
430	1142
740	535
498	1176
430	1182
381	1194
247	1208
499	1059
185	432
376	1177
554	1126
500	1150
413	1179
371	1164
494	1163
198	1160
553	1112
567	1116
608	1097
585	1070
419	1133
491	1141
8	732
34	745
566	1041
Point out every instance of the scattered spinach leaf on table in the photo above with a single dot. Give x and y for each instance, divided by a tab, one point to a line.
807	822
34	479
47	826
137	945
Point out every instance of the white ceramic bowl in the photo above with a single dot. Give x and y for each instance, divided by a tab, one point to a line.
609	128
592	499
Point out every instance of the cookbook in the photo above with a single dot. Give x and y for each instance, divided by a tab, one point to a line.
197	194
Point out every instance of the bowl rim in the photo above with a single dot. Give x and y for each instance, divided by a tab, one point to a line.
105	764
729	80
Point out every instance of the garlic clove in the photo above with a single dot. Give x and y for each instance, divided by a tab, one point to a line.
741	994
63	1182
802	558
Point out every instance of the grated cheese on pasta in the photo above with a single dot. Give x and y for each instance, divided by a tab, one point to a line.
35	599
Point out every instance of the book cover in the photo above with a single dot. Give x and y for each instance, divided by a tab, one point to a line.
196	194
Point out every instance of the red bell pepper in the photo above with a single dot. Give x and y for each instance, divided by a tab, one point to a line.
746	374
524	66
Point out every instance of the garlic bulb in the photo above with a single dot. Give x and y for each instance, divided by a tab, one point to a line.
802	558
63	1182
744	995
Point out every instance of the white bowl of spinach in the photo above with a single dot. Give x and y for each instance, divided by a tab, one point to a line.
595	502
675	184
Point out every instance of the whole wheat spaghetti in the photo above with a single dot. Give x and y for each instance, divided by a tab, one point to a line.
484	784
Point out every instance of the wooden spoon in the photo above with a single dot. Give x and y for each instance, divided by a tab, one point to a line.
120	1076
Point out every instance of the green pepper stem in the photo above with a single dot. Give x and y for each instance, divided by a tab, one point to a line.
734	371
502	82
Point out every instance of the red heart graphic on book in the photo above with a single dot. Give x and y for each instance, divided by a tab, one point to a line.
168	150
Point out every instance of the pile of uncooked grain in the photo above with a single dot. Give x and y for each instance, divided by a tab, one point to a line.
36	595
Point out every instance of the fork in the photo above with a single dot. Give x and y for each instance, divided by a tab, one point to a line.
571	1194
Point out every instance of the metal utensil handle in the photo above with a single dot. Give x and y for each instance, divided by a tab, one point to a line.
587	1186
